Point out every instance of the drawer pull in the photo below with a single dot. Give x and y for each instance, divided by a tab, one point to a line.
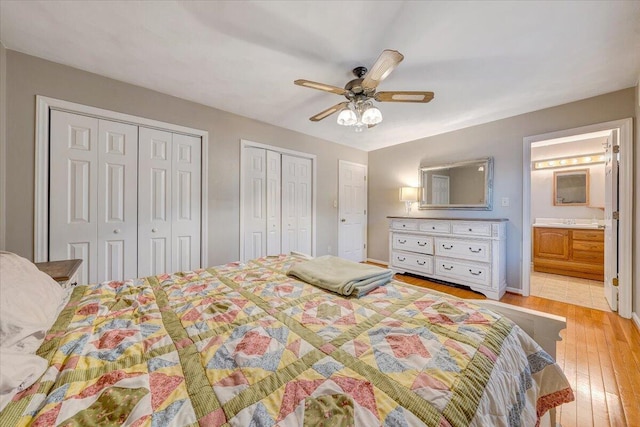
404	225
475	274
433	228
471	229
447	247
401	259
421	262
448	269
402	242
475	252
422	243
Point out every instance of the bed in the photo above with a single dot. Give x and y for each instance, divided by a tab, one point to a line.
247	345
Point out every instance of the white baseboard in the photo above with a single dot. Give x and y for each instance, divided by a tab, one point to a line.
636	320
378	261
514	290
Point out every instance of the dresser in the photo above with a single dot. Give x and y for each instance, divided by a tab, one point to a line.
470	252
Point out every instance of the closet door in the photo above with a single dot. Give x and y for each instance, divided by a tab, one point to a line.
154	202
117	201
73	205
296	204
185	206
273	203
254	200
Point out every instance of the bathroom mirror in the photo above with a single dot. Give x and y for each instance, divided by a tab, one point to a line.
461	185
571	188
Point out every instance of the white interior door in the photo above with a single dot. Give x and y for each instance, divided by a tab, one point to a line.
185	202
352	211
73	207
154	202
296	204
117	201
440	189
274	178
611	224
254	202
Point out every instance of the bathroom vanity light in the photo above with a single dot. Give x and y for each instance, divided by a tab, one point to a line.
565	162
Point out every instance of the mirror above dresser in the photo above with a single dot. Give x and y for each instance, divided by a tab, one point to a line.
461	185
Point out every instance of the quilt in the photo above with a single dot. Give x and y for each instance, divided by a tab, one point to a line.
246	345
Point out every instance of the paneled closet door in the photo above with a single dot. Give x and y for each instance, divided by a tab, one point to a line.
73	206
117	201
154	202
254	202
185	206
274	221
296	204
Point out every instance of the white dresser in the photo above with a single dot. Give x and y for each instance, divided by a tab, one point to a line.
470	252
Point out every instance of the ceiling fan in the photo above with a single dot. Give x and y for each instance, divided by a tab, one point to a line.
359	110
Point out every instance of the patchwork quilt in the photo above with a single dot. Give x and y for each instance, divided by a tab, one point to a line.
245	345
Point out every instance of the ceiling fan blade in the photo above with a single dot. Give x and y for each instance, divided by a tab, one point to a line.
403	96
329	111
384	65
320	86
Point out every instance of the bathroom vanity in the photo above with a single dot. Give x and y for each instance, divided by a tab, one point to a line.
573	249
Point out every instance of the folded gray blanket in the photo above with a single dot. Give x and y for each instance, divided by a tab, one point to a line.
340	275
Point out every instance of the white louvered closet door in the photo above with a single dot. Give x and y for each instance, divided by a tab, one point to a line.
185	203
296	204
73	205
154	202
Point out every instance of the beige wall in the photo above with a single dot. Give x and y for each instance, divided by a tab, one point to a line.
392	167
636	225
28	76
3	141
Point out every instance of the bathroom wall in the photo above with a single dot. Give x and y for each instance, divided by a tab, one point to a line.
542	181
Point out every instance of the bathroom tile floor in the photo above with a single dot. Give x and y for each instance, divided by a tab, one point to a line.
572	290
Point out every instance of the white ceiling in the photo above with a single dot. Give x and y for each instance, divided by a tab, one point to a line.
484	60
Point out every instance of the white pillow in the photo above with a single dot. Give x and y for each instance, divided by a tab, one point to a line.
29	303
18	372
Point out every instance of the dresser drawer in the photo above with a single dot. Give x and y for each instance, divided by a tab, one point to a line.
399	224
466	249
435	226
464	272
422	263
407	242
472	228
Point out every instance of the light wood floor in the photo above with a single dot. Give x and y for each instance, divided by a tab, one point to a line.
599	353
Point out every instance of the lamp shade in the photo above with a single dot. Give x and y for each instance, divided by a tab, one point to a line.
371	116
408	194
347	117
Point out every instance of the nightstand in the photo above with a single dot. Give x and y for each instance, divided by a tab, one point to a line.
64	272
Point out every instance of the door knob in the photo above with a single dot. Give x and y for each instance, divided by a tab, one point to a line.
343	220
153	230
116	231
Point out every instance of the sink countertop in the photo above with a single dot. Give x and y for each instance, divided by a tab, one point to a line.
577	226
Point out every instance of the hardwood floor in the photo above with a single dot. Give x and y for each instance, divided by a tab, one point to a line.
599	353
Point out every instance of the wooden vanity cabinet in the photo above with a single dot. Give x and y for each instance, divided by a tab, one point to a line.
569	252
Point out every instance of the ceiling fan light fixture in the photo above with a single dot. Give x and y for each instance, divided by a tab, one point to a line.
371	116
347	117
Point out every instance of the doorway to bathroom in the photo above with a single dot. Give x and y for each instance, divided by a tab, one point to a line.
577	206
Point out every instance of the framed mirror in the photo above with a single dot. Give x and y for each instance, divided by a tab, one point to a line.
571	188
461	185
